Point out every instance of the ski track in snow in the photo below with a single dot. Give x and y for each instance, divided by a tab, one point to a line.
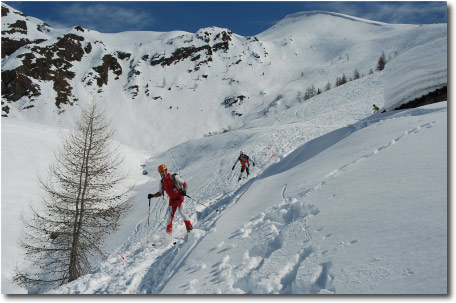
279	228
168	260
163	261
304	272
376	151
270	237
274	234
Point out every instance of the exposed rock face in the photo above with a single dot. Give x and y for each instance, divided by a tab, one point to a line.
19	27
69	48
123	56
16	85
88	48
181	54
9	46
48	63
59	61
109	63
51	62
220	42
5	11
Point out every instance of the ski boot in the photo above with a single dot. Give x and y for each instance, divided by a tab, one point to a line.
188	233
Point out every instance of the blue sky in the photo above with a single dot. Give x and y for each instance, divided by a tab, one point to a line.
245	18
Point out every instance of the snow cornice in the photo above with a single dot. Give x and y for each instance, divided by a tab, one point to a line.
302	15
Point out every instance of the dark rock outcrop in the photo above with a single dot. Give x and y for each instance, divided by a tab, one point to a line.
180	54
88	48
52	63
194	52
123	56
16	85
109	63
56	63
9	46
18	27
5	11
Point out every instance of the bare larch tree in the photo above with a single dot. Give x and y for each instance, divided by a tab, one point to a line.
84	197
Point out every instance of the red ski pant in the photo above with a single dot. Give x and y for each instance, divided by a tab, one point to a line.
173	206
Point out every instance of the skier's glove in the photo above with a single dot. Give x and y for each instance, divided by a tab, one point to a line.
232	168
183	193
253	164
150	196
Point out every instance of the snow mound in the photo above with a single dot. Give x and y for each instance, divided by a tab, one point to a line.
415	73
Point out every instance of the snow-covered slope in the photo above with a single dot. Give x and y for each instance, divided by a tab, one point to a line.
318	224
335	212
340	201
341	214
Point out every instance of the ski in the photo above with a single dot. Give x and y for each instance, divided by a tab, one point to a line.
173	242
242	178
180	240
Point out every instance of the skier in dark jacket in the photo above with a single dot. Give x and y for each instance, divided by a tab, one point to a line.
245	163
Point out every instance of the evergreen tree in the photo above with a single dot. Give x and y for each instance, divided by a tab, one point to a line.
356	74
327	86
381	62
310	92
84	198
343	80
299	96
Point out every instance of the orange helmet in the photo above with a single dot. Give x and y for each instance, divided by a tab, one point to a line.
162	168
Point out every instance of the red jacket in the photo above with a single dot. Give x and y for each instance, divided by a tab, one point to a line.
172	187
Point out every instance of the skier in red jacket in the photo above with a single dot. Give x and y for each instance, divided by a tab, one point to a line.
176	189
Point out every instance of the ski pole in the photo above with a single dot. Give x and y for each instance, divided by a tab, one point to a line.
216	210
148	218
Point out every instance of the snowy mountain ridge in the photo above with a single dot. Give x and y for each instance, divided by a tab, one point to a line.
160	77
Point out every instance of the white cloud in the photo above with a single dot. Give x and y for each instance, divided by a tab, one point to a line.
105	18
405	12
389	12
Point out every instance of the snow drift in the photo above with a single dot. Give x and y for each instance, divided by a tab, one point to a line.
416	72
